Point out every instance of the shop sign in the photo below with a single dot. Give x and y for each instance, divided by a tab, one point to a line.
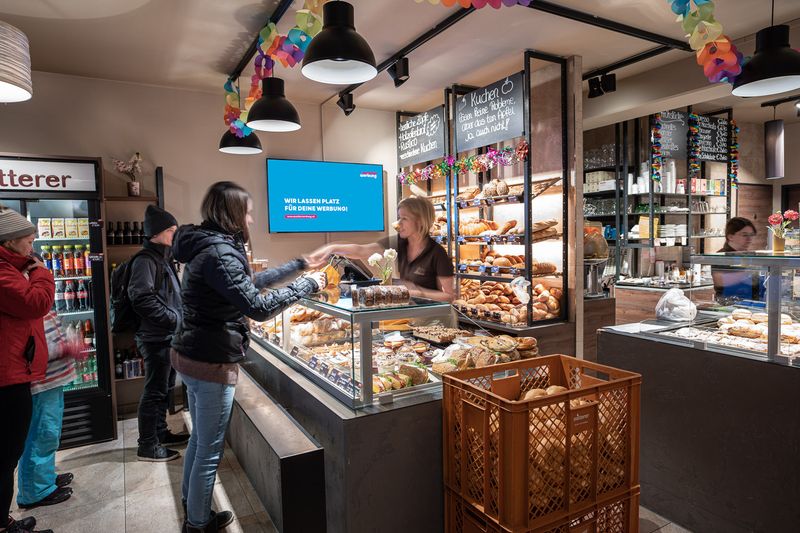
51	176
421	138
713	139
674	134
490	114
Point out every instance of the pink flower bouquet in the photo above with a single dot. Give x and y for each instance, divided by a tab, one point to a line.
778	223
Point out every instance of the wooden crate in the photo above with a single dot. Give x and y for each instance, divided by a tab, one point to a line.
527	464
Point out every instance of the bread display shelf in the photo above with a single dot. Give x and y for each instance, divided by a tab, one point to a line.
537	189
503	239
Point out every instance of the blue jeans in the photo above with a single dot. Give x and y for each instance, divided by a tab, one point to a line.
36	473
210	407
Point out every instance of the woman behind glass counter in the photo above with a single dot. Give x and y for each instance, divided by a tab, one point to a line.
735	283
423	266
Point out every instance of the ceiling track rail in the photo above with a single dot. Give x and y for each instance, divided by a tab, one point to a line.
647	54
600	22
416	43
276	16
772	103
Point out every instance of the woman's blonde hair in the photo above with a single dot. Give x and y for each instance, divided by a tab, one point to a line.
422	210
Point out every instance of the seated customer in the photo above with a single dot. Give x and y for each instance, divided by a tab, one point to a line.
423	266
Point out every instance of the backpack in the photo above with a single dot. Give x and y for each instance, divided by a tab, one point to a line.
123	316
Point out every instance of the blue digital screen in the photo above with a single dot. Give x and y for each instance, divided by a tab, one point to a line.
321	197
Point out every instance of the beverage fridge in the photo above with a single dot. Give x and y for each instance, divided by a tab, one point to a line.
62	197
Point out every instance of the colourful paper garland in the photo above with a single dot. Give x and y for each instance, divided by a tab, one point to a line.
235	117
716	53
478	4
656	157
734	175
474	163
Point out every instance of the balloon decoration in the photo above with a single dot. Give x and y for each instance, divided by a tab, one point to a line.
716	53
473	163
478	4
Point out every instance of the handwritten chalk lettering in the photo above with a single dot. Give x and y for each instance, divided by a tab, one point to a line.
490	114
421	137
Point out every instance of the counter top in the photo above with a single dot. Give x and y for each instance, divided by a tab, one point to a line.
646	287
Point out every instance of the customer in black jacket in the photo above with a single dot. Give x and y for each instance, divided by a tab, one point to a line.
154	292
219	293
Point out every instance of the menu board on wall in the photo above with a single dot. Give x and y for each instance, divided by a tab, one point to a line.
713	139
674	131
490	114
421	138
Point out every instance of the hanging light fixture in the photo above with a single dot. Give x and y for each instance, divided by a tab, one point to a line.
338	54
15	65
231	143
773	148
247	145
775	67
273	112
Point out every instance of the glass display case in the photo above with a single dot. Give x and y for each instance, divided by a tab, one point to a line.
326	341
753	310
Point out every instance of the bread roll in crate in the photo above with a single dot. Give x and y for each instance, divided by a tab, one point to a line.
527	463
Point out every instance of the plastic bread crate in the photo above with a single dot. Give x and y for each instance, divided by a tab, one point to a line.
526	464
620	515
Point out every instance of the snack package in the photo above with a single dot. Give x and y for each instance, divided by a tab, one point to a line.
71	228
58	228
521	287
45	230
83	228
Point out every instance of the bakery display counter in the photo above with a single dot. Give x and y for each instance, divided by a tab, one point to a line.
366	339
719	425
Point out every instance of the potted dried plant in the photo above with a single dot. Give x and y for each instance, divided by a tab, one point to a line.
132	169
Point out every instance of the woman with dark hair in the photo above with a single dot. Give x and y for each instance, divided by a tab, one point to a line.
27	290
219	293
735	283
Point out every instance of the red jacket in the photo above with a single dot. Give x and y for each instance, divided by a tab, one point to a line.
23	305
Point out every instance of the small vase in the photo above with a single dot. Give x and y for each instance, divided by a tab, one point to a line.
387	280
134	188
778	244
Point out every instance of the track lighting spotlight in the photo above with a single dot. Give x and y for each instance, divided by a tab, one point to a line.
608	82
345	102
595	87
399	71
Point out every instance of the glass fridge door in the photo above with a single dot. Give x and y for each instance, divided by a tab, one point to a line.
65	244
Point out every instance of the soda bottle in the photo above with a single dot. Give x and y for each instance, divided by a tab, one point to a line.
47	258
69	298
110	234
87	264
89	295
69	261
58	262
60	305
88	334
81	296
78	260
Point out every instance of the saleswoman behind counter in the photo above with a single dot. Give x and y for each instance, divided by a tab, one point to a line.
424	266
732	284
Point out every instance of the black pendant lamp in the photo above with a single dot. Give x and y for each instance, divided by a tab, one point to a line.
775	67
338	54
273	112
247	145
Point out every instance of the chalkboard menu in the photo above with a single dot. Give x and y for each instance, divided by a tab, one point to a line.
490	114
421	138
674	131
713	139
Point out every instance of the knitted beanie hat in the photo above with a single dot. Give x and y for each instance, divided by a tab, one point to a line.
13	225
157	220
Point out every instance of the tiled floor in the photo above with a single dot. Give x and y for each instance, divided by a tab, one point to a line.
115	493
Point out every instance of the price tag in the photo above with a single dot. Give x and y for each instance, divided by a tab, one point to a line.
96	258
482	269
95	223
513	271
462	268
313	362
490	201
514	199
335	375
295	351
462	204
462	240
324	368
488	239
495	270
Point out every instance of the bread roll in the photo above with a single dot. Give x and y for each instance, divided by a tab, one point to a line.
533	394
758	318
507	226
555	389
501	262
741	314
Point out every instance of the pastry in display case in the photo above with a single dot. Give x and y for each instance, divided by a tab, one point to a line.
767	327
368	338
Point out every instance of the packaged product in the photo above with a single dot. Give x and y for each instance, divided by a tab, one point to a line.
45	230
83	228
58	228
71	228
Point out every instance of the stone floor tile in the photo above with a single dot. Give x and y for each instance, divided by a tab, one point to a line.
650	521
673	528
104	516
